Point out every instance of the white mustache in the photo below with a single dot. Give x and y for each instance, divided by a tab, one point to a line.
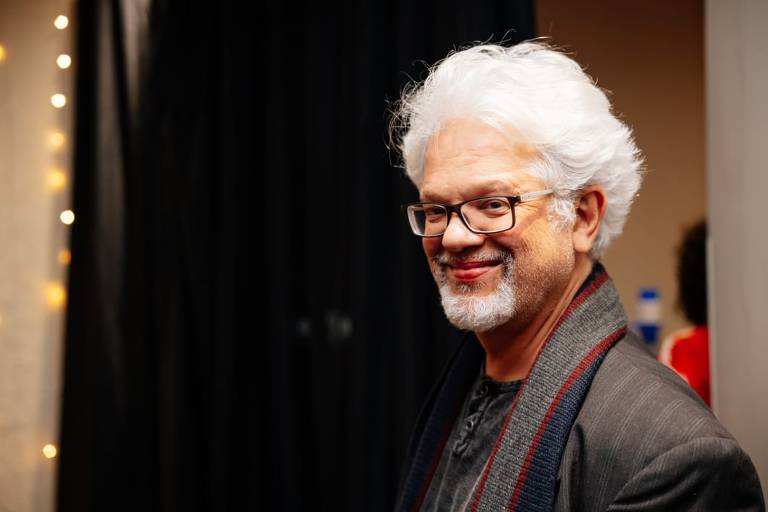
444	259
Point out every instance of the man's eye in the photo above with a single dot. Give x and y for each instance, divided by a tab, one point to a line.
494	204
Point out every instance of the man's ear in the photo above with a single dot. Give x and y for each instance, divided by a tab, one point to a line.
590	209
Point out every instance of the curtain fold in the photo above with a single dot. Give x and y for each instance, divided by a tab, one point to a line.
93	386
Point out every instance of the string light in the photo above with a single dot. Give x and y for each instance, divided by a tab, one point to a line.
57	179
2	53
55	295
58	100
56	140
67	217
61	22
65	257
49	451
63	61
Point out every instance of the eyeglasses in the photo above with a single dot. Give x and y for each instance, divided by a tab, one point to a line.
483	215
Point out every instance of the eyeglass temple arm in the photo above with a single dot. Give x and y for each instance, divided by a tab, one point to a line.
533	195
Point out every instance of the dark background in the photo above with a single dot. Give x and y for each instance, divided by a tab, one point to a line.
251	324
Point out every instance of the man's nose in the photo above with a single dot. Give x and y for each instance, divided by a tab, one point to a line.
457	236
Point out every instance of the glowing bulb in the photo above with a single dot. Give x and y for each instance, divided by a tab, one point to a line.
61	22
49	451
63	61
67	217
58	100
56	139
55	295
57	179
65	256
2	53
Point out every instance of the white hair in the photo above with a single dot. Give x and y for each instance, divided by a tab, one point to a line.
542	96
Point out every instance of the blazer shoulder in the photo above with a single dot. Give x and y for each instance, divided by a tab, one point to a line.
632	390
706	473
636	410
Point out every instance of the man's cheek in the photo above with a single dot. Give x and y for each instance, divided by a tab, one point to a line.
431	246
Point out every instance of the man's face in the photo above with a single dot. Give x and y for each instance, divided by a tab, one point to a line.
526	268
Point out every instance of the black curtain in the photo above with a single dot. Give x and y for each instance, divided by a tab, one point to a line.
251	324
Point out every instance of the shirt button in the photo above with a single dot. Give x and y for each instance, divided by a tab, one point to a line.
459	447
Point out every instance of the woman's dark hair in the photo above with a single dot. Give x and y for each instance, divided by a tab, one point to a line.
692	274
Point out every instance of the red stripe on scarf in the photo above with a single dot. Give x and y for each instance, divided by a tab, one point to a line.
599	349
596	283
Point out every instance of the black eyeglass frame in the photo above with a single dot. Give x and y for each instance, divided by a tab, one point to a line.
451	208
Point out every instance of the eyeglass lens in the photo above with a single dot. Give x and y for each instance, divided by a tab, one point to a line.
487	214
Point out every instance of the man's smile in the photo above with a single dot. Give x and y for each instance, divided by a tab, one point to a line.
471	270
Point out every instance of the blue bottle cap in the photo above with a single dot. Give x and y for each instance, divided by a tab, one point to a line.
648	293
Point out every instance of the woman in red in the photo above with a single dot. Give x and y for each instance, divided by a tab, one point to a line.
687	350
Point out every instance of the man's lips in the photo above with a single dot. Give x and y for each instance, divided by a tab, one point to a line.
468	270
473	264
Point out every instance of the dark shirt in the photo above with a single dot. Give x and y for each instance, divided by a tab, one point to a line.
470	443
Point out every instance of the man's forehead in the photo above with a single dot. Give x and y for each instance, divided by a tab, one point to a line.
467	158
444	190
468	137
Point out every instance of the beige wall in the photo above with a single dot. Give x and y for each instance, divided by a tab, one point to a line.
31	236
649	54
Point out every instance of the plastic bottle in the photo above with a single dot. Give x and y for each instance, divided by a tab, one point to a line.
648	321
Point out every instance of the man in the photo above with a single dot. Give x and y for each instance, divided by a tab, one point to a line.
549	403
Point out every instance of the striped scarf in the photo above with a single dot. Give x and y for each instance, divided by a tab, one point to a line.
521	471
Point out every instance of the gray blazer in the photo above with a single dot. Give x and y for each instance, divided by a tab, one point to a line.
643	440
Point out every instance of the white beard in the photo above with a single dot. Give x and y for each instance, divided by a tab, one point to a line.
483	313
